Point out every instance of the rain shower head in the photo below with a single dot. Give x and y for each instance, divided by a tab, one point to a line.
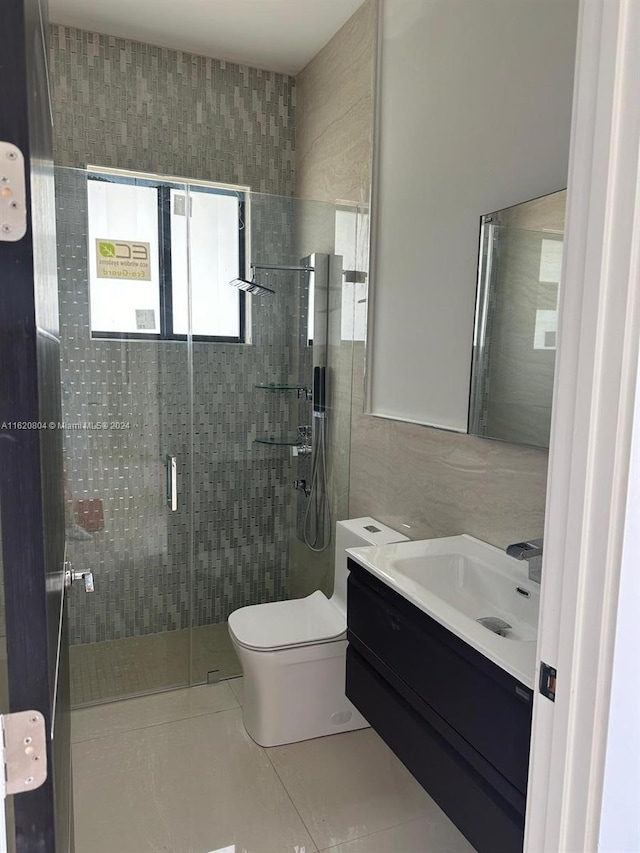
251	287
261	289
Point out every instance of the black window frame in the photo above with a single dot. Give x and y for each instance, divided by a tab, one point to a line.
164	187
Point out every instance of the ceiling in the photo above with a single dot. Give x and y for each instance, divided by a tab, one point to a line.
281	35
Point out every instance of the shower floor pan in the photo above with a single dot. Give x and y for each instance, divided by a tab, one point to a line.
119	669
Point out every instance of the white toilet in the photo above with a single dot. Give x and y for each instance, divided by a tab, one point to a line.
293	653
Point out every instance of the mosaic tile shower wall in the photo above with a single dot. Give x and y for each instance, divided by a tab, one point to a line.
139	553
223	123
128	105
241	491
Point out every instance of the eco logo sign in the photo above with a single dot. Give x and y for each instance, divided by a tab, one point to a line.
123	259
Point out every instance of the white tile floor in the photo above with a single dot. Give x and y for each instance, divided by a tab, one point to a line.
177	773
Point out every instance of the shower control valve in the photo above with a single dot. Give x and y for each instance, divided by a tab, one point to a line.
301	486
302	449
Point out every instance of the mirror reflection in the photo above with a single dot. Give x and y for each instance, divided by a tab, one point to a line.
515	335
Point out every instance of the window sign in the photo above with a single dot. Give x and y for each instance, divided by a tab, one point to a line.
161	256
123	259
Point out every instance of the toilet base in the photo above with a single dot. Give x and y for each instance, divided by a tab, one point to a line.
296	694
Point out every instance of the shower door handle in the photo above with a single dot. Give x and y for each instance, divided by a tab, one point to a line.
172	483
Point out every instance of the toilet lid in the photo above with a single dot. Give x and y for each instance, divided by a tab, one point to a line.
282	624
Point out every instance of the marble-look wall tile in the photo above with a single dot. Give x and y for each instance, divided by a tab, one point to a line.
333	114
439	483
443	483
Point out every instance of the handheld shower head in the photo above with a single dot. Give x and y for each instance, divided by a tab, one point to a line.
251	287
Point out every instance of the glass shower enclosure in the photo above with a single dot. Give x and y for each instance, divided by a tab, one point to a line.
194	478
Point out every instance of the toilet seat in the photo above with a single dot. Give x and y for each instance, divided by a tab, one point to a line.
288	624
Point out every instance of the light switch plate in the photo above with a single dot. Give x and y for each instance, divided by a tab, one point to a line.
13	199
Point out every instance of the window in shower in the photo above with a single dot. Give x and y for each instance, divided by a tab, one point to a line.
147	240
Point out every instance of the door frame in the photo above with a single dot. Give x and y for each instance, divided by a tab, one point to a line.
591	434
32	501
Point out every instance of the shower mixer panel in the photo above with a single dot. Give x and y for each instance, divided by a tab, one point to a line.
318	274
314	514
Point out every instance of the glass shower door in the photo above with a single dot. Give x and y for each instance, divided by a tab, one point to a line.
126	403
254	430
247	409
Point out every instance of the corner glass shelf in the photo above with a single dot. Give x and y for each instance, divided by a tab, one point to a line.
278	440
300	390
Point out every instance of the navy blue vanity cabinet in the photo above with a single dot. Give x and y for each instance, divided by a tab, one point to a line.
458	722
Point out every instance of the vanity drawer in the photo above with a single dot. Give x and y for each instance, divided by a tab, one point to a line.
486	706
490	823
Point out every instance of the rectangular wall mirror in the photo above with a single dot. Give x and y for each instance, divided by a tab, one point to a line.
457	138
514	346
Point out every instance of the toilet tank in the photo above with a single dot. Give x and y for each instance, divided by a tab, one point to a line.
354	533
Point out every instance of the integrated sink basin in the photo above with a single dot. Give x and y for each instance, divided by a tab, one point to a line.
459	580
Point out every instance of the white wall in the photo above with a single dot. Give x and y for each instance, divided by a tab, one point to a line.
474	112
620	818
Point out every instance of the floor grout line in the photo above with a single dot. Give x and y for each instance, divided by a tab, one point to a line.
375	832
349	840
176	688
282	782
273	782
155	725
116	700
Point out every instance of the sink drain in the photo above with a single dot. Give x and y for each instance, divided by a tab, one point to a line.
495	624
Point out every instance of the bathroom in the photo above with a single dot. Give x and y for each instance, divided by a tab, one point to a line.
213	450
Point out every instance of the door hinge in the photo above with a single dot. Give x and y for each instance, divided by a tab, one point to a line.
71	575
547	684
13	193
24	751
